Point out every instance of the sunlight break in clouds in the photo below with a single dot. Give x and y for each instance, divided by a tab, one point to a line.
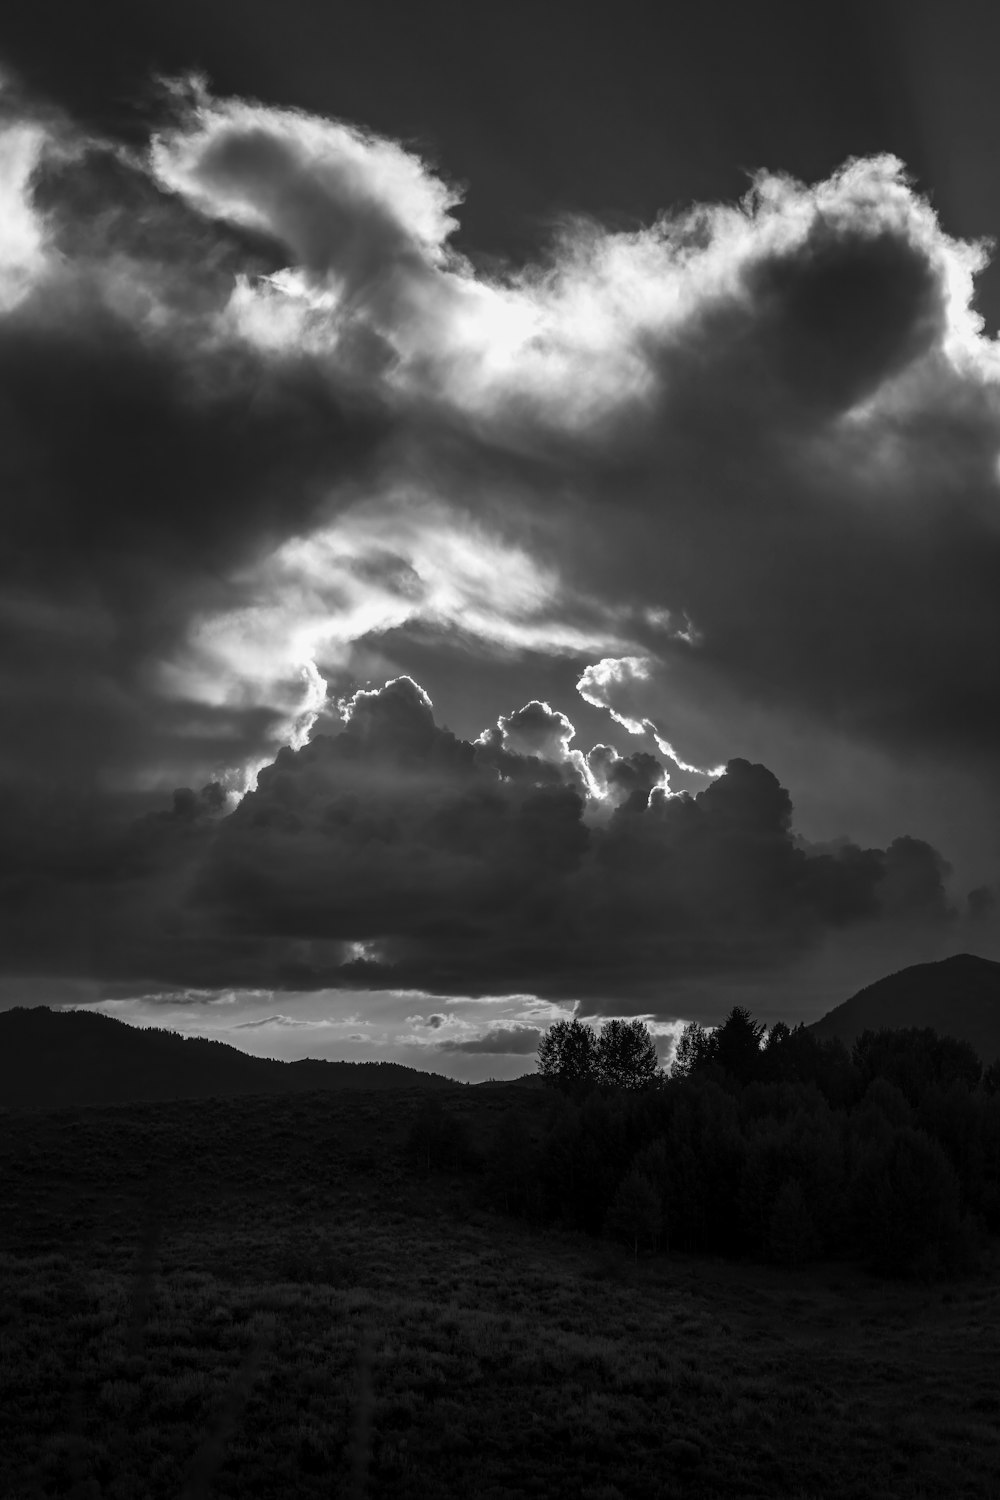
597	686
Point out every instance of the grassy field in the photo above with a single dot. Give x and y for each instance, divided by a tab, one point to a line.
272	1298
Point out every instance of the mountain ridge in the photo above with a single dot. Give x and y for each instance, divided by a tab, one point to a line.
958	996
53	1058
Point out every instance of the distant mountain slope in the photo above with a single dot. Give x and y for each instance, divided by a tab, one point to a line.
50	1058
523	1080
958	996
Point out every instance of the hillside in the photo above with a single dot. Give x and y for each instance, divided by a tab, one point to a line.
50	1059
958	996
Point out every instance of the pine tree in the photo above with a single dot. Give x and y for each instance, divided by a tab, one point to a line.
736	1045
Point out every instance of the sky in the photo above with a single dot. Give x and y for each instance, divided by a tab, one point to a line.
501	515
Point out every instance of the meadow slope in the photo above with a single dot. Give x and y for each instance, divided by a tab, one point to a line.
273	1297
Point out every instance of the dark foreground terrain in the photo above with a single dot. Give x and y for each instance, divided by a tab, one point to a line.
273	1297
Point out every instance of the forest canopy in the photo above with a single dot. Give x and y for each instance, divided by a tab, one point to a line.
769	1143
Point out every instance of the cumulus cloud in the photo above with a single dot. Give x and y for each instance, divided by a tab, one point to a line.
537	729
364	221
611	682
621	778
395	855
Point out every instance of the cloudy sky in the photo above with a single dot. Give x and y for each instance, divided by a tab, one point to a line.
500	514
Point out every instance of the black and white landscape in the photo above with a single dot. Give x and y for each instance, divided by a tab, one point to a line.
499	808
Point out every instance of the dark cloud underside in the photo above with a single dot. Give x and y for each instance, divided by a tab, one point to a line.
395	855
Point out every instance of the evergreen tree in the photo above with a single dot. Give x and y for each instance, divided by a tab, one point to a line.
736	1045
693	1051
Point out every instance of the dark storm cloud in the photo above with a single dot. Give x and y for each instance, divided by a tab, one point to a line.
839	313
397	855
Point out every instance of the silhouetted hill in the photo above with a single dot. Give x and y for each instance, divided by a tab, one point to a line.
53	1058
958	996
523	1080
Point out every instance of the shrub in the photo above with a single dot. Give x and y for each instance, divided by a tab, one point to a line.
437	1138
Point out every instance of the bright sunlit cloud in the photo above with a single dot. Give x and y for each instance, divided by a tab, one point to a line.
22	237
602	684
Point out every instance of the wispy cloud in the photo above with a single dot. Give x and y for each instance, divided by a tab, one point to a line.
277	1020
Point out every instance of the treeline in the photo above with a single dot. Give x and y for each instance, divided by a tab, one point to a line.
775	1145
